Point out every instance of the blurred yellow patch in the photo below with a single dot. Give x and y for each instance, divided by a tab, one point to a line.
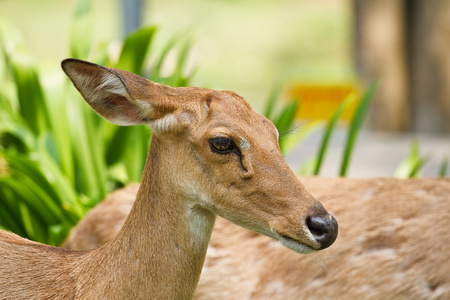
319	102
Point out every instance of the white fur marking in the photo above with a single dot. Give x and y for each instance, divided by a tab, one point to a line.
165	124
145	109
83	83
111	83
244	144
200	225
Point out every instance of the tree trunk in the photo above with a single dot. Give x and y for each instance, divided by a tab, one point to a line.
429	53
380	54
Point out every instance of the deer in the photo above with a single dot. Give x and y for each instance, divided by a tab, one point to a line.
210	154
394	243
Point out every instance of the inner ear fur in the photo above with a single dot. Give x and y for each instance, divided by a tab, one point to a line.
121	97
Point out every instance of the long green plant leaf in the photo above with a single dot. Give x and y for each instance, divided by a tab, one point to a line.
135	49
269	108
59	145
411	165
158	66
286	120
177	77
443	168
355	127
9	216
29	93
292	140
332	123
81	37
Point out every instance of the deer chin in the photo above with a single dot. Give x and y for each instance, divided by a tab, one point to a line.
286	241
295	245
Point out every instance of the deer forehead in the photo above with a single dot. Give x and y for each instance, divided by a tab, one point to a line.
224	112
239	115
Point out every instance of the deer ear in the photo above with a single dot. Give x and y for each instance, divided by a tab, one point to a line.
121	97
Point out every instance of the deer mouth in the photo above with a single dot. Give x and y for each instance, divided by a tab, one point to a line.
295	245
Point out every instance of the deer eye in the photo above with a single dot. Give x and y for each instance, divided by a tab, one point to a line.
221	145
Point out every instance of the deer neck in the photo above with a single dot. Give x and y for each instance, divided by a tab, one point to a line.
159	252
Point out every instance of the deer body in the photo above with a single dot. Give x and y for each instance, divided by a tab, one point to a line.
204	159
394	243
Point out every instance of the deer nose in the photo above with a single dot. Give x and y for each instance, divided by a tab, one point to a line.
324	229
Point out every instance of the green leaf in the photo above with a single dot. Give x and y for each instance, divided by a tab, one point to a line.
443	167
157	68
355	126
57	234
85	154
28	181
134	50
60	188
271	101
291	140
136	156
411	165
332	123
29	93
177	77
307	168
286	120
81	37
59	146
9	210
117	143
27	221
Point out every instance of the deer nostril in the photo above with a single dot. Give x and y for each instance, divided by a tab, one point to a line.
324	229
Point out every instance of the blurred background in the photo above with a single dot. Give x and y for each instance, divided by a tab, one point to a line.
314	48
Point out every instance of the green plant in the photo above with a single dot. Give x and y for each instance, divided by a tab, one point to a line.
285	121
313	165
411	165
332	123
355	127
57	157
443	167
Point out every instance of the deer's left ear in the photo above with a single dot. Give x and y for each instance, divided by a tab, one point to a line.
121	97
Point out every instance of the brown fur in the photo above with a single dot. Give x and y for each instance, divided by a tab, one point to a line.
394	243
159	251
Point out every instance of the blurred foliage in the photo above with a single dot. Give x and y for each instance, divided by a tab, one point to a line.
331	126
411	165
444	167
57	157
356	124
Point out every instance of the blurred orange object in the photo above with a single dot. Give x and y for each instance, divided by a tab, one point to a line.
321	101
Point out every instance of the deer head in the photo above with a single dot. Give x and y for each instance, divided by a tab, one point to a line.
212	150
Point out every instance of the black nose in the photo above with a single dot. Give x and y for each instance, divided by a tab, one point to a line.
324	229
